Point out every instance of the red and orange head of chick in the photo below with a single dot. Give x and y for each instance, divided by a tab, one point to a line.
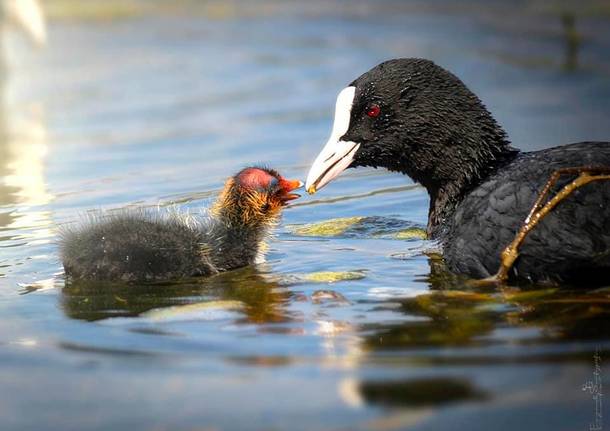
255	196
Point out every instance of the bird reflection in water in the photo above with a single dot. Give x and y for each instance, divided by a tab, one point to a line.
258	299
457	313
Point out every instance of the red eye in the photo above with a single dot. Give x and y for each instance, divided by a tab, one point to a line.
373	111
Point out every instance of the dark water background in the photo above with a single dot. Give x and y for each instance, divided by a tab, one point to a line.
157	109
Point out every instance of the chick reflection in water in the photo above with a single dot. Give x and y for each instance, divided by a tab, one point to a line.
245	291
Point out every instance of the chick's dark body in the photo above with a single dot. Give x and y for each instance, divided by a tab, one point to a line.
572	244
152	246
135	246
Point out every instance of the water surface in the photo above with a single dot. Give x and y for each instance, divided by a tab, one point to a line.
359	328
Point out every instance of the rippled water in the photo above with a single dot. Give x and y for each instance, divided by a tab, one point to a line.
354	327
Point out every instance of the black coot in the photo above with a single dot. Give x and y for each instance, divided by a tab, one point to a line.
414	117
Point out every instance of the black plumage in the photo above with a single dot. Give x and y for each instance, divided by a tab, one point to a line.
137	245
430	126
571	244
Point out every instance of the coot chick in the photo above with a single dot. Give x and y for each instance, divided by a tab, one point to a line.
152	246
414	117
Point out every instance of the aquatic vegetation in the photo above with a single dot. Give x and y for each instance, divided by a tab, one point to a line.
332	276
361	227
198	310
332	227
412	233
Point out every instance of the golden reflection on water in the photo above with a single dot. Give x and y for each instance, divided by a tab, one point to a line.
24	147
24	143
28	17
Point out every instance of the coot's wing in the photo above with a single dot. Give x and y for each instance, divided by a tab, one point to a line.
571	242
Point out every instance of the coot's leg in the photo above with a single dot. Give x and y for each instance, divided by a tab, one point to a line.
540	209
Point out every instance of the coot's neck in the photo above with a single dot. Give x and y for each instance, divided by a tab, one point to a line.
468	164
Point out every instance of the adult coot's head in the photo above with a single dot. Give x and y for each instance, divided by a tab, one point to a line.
412	116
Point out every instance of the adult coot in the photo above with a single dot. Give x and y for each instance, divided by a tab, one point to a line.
149	246
414	117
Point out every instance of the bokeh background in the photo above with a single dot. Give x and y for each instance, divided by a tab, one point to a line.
352	323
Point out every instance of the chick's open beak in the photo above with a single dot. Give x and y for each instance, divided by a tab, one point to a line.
289	185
